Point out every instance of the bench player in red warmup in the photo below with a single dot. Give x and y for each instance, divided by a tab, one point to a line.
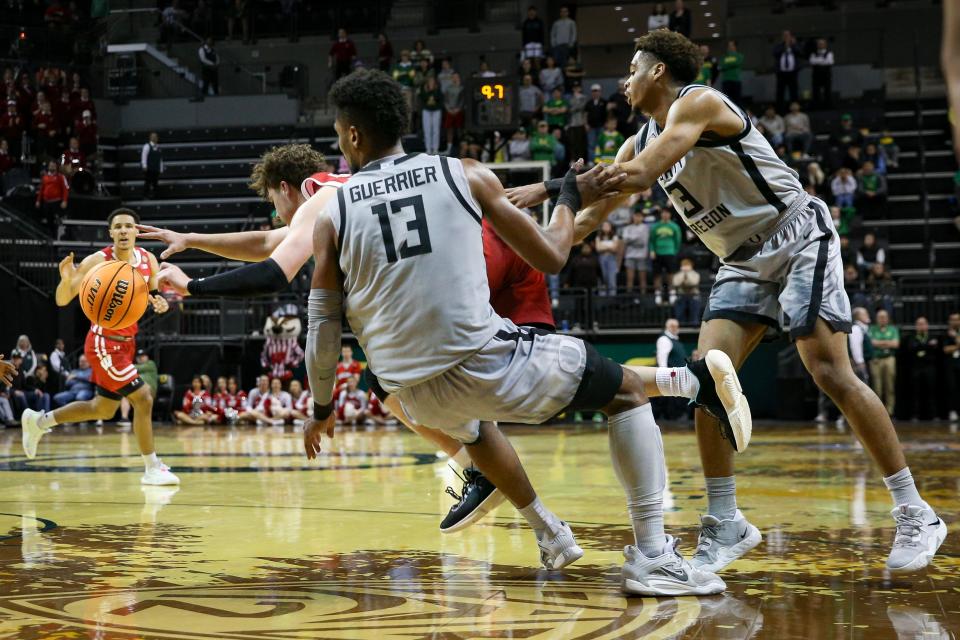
110	353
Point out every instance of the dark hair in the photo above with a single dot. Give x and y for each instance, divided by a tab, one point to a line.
373	103
682	57
122	211
291	163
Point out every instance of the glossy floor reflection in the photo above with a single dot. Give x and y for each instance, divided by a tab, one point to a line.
258	543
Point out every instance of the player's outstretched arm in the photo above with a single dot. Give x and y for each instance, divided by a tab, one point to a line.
544	249
589	219
249	246
324	313
72	275
687	119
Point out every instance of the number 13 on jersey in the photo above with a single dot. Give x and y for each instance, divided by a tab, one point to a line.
418	226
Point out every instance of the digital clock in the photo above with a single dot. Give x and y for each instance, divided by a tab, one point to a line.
492	103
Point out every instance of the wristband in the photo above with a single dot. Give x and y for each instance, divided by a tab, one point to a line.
569	193
322	411
553	187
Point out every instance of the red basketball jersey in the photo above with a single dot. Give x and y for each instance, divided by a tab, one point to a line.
517	290
141	264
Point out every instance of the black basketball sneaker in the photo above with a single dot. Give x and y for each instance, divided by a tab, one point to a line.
477	498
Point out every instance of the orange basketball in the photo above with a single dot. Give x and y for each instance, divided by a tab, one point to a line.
113	295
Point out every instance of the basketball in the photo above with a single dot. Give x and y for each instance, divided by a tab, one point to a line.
113	295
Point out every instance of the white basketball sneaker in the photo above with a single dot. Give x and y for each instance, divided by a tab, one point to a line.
723	541
920	532
32	432
159	476
666	575
558	547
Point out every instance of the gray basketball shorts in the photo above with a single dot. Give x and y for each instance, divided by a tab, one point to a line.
793	278
522	375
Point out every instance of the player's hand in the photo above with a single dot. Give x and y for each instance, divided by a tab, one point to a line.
591	188
174	277
63	204
311	434
176	242
159	304
529	195
7	371
67	268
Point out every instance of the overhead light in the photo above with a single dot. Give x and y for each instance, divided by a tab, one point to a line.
712	25
632	30
707	14
716	35
618	8
624	19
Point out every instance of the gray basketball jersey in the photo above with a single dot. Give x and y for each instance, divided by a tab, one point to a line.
728	190
415	280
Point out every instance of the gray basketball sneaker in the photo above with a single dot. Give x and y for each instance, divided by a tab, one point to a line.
919	534
666	575
723	541
558	547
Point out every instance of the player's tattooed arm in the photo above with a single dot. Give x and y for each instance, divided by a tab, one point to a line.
71	275
687	120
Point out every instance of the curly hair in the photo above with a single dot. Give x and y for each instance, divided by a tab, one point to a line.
373	103
291	163
682	57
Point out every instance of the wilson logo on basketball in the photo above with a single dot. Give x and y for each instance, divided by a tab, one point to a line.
116	299
92	292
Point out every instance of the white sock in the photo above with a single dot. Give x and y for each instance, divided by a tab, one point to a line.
47	420
539	517
636	449
903	489
150	460
722	497
462	458
677	382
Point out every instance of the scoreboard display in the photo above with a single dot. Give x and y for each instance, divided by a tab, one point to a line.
492	103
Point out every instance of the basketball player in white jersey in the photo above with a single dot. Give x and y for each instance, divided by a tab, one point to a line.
279	254
110	353
400	251
780	268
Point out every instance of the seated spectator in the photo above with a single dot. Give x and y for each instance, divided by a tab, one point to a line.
484	71
854	286
708	70
420	52
842	220
197	407
619	107
551	76
7	161
853	158
276	407
82	103
844	187
573	73
526	68
659	18
302	403
351	403
78	385
45	131
773	126
686	282
636	257
577	124
872	191
377	412
530	101
880	288
665	241
259	392
608	142
560	161
384	52
812	178
799	135
12	126
18	397
73	159
87	133
542	144
519	146
876	155
24	349
37	389
870	253
347	368
58	360
6	411
842	137
890	150
609	249
232	404
555	110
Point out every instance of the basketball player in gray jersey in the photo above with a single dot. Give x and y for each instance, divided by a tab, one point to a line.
780	268
400	251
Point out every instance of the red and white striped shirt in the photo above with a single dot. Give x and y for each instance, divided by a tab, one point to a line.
280	357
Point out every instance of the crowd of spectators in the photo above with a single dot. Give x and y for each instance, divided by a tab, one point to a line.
276	402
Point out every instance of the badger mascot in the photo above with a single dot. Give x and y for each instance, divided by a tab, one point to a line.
281	352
